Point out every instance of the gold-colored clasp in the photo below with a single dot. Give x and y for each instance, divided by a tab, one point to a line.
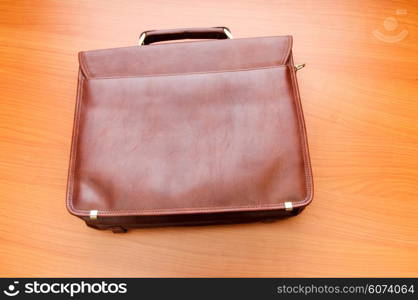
300	66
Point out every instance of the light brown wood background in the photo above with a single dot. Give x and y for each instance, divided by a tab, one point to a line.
359	94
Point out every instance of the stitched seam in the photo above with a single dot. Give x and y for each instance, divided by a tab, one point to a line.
302	133
189	73
71	179
197	210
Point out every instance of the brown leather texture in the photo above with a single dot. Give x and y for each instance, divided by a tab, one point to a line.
186	133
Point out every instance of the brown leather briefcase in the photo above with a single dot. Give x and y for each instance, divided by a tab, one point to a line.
188	133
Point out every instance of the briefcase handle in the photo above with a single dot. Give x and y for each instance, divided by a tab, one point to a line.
153	36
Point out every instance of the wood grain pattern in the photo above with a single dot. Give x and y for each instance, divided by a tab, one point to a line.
359	96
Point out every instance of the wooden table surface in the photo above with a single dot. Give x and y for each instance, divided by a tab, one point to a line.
359	94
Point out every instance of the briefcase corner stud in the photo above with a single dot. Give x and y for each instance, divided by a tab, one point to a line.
93	214
288	206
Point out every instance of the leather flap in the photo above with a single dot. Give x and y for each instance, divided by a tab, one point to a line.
191	143
186	57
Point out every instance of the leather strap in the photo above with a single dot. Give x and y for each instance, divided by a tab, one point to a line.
154	36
